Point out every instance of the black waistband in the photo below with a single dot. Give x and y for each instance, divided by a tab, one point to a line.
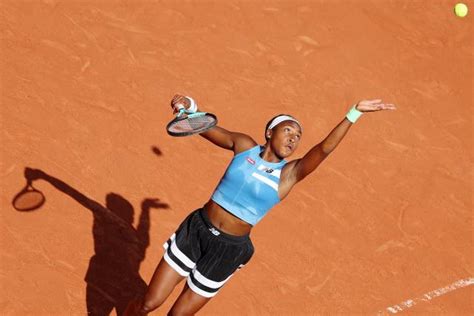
233	238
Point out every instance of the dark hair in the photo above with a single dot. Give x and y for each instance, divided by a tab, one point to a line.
269	122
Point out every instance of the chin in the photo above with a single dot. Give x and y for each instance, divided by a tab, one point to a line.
285	154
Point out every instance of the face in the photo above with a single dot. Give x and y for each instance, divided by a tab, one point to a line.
284	138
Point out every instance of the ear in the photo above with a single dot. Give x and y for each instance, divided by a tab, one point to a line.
269	133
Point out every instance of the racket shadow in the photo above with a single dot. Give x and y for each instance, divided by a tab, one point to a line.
113	277
28	199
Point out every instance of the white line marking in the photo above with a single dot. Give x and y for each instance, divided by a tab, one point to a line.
428	296
207	282
271	183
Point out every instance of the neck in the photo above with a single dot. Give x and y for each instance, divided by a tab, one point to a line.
268	155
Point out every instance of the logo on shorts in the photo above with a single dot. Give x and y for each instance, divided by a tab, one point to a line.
214	231
251	160
269	170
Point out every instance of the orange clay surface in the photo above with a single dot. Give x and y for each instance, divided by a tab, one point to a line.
85	91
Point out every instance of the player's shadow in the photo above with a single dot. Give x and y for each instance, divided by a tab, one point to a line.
113	277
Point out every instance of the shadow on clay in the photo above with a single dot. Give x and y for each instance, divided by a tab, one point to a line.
113	277
156	151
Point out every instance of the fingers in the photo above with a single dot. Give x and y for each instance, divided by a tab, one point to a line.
376	104
388	106
177	100
383	106
368	105
379	102
155	203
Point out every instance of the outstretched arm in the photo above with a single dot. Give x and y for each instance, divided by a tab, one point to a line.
313	158
237	142
35	174
143	228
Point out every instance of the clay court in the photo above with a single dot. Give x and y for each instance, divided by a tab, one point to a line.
383	227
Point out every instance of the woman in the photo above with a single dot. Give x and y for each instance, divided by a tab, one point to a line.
213	242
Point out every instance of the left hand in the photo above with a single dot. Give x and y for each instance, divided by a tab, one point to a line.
374	105
153	203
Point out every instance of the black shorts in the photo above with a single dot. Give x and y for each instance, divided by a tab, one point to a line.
205	255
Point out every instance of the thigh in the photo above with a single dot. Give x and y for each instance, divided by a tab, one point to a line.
175	264
214	269
188	302
162	283
97	303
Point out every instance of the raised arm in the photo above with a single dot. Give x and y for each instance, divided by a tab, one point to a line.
313	158
35	174
237	142
143	227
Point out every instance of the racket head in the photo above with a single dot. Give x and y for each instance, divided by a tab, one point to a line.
28	199
191	123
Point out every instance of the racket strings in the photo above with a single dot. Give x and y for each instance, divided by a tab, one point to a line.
28	200
192	124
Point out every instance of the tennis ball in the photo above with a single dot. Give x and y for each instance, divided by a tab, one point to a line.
460	9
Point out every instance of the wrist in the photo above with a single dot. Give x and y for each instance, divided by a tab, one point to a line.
353	115
192	105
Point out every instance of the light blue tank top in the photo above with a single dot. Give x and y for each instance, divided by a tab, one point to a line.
249	187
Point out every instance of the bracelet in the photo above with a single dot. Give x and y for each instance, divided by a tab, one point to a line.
353	114
192	105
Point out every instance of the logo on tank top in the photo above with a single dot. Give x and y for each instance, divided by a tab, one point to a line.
265	169
214	231
251	160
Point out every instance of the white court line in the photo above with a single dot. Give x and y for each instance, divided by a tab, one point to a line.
428	296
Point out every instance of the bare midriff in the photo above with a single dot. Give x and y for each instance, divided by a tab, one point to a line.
225	221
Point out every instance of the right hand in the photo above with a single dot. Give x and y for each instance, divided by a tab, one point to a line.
179	100
33	174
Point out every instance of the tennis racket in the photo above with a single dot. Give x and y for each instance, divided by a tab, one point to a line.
28	199
189	122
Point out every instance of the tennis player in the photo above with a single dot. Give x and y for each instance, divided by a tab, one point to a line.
213	242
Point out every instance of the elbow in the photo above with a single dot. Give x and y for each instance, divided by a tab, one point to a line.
327	149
